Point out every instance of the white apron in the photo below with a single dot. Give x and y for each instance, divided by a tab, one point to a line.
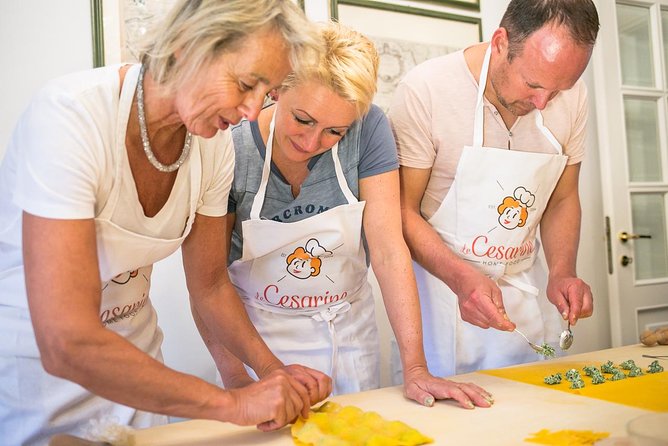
305	287
489	217
43	405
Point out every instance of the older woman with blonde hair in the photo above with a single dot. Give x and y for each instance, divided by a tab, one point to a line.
321	165
109	171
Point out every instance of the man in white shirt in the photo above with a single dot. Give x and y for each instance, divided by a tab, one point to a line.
481	169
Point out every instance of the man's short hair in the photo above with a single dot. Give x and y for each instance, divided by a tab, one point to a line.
524	17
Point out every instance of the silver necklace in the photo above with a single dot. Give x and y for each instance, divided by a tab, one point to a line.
144	133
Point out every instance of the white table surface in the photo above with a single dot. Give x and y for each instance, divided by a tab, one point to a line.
520	409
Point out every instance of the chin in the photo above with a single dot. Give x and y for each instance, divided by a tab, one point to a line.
206	134
521	111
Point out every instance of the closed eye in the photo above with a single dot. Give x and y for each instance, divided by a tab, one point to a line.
303	121
335	132
244	86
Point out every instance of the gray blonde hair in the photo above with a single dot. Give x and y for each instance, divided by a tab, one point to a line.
348	66
200	30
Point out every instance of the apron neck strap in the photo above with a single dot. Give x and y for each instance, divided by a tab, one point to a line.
258	201
266	170
340	177
122	116
479	110
479	105
547	133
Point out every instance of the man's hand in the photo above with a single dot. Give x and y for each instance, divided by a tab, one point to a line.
572	297
481	302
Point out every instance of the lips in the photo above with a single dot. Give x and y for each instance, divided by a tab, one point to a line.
223	124
299	149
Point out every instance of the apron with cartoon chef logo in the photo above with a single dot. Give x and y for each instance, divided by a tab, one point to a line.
489	218
125	263
305	287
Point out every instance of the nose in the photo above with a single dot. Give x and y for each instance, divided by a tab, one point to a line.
251	105
311	140
540	99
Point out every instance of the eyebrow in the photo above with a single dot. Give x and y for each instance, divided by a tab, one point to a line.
315	120
263	80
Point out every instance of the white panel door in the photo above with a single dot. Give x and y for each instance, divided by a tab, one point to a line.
630	62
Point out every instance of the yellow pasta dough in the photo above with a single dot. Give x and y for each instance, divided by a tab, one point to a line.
334	425
566	437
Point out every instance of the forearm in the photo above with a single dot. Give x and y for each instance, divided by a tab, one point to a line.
431	252
214	298
232	370
397	284
227	330
479	298
113	368
560	234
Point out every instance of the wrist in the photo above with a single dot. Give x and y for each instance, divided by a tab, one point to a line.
557	273
216	403
267	367
414	367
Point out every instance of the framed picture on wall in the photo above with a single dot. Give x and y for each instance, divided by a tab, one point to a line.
97	30
466	4
406	36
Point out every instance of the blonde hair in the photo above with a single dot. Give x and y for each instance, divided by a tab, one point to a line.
200	30
348	66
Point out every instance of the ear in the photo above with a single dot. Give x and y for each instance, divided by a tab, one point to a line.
273	94
499	42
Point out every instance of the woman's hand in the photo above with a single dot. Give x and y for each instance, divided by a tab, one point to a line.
238	381
318	385
270	403
423	387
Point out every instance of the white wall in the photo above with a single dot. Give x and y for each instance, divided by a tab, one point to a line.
41	39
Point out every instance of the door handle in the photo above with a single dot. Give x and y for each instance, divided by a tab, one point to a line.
625	236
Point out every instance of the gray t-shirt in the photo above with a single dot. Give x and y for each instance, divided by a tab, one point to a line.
367	149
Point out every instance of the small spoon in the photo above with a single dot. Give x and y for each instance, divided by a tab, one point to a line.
566	338
537	348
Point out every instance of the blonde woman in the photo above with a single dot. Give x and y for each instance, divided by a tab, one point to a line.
321	165
109	171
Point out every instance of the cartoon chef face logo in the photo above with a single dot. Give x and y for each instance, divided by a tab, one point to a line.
514	211
123	278
306	261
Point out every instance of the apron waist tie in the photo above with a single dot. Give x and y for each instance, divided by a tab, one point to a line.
328	315
519	284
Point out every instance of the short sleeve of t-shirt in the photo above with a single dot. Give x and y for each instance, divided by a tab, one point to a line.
378	151
410	114
62	163
218	173
577	107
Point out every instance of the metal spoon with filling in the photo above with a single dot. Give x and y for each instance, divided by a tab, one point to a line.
566	338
